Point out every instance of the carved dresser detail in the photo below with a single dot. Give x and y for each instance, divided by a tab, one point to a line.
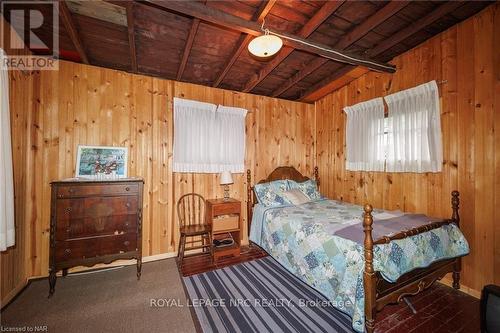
94	222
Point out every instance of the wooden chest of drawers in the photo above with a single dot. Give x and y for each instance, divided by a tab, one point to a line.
94	222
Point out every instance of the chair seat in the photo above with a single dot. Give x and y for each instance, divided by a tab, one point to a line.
192	223
196	229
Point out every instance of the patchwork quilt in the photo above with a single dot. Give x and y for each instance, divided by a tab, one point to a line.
304	240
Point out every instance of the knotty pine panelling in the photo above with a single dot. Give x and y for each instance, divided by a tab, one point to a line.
466	58
55	111
13	261
14	273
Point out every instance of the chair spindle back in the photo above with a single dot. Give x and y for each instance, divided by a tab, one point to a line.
191	209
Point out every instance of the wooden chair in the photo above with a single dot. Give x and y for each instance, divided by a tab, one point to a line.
192	223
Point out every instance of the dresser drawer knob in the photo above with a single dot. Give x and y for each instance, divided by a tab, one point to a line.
68	230
68	209
127	204
127	188
126	243
71	190
67	251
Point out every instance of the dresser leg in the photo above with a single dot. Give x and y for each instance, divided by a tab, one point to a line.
52	281
139	268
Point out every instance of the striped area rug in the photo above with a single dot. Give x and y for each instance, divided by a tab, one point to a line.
260	296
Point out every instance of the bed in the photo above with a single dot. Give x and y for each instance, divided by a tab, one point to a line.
336	248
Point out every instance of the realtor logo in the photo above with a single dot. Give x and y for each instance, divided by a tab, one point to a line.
34	25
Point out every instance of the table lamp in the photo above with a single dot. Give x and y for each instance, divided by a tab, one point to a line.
226	179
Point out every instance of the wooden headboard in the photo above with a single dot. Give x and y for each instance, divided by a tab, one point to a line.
280	173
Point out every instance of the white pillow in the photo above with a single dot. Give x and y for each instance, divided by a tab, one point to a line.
296	196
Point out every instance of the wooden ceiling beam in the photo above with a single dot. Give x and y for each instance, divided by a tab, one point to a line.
320	89
208	14
131	35
264	9
187	47
242	43
352	37
220	18
382	15
69	24
322	85
300	75
337	80
328	84
414	27
321	15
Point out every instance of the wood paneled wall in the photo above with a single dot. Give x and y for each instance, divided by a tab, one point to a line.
55	111
466	58
12	261
13	272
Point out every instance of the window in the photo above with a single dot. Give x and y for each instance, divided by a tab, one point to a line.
414	136
208	138
408	139
383	137
364	136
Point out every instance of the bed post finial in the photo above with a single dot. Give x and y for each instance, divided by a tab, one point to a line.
457	266
367	227
316	175
249	200
249	186
455	204
369	278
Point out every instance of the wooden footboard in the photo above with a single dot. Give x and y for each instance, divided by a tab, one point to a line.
378	292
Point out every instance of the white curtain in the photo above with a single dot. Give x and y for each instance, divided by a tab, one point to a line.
207	138
415	135
365	136
7	230
232	138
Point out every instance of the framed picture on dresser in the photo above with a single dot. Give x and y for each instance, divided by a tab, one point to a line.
101	162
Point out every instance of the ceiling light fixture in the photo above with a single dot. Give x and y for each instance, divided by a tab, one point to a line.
266	46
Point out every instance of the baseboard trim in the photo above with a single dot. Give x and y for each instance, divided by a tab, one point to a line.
472	292
160	256
13	293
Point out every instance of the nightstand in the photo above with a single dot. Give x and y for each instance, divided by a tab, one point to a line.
225	217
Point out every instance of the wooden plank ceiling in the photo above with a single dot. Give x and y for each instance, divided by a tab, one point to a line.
149	37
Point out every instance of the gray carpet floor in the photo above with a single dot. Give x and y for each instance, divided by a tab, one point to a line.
107	301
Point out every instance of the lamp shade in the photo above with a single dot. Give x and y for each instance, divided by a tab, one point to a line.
226	178
265	46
